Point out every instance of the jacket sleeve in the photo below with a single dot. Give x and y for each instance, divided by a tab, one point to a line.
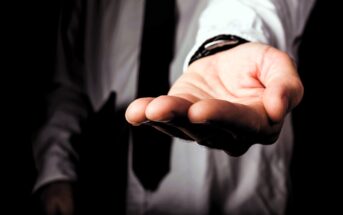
55	157
275	22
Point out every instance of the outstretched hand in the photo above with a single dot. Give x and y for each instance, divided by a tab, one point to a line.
228	101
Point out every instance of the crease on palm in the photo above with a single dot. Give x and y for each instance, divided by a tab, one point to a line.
195	86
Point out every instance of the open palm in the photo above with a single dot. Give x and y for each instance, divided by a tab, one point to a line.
228	101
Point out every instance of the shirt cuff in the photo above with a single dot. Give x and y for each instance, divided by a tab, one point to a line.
55	159
251	36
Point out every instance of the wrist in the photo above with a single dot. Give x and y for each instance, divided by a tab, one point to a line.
217	44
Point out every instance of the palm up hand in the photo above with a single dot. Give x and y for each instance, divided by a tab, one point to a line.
227	101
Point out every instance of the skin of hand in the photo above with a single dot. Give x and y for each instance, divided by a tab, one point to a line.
229	100
56	198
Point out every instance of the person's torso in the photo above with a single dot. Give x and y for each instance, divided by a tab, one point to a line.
113	39
198	175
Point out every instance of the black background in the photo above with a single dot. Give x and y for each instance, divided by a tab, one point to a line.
29	31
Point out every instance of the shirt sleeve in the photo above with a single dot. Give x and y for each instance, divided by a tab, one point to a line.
275	22
55	156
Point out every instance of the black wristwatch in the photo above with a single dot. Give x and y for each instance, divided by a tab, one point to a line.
216	44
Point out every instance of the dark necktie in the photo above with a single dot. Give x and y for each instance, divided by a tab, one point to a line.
151	148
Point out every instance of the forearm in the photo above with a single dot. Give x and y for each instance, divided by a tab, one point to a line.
54	152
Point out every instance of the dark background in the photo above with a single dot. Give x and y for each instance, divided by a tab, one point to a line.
29	47
317	161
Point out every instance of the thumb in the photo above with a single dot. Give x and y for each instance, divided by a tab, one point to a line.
283	91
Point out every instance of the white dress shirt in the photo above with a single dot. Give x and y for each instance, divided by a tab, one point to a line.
255	183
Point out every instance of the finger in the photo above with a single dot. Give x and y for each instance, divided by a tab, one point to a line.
248	123
282	96
233	115
135	113
215	137
283	88
166	108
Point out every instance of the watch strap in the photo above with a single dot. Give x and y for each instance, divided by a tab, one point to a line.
217	44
